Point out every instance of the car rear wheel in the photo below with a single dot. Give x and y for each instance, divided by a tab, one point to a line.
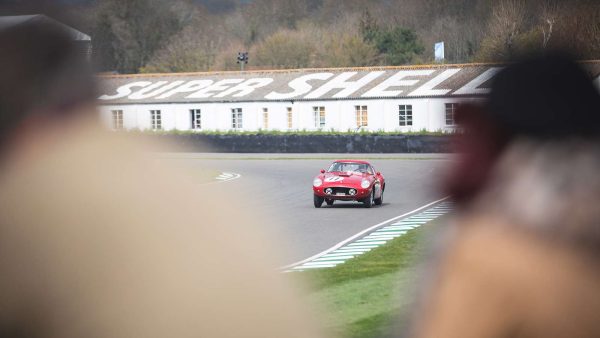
379	201
329	201
368	202
318	201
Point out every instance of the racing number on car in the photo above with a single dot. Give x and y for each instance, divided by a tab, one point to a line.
334	179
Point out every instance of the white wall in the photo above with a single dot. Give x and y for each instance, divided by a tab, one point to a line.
428	114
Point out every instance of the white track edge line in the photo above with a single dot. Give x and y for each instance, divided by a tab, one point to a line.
371	228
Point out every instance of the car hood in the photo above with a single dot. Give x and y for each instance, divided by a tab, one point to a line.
343	178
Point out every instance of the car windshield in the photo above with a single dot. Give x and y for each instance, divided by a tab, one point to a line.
350	166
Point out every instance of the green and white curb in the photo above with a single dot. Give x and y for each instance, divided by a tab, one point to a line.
359	244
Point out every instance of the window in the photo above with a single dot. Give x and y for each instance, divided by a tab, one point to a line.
117	119
405	115
236	118
155	120
196	116
290	117
362	118
319	116
265	123
450	109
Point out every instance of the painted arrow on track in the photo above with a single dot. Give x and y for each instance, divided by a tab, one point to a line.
224	177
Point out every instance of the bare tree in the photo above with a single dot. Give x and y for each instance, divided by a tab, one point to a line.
285	49
195	48
461	38
548	15
506	23
127	33
350	50
161	35
265	17
508	18
579	31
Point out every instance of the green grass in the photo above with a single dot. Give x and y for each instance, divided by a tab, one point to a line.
365	296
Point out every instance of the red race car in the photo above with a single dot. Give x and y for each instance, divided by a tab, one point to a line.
349	180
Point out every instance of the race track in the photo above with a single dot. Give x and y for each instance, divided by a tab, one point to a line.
281	186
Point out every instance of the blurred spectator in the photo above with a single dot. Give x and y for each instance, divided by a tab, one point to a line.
45	80
96	241
523	258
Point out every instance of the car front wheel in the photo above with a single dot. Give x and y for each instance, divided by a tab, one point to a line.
368	202
318	201
379	201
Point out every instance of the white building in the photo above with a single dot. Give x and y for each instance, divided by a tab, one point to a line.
377	99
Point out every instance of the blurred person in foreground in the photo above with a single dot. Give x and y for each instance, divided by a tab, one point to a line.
523	256
96	240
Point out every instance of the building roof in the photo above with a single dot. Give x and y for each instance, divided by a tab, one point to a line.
451	80
16	20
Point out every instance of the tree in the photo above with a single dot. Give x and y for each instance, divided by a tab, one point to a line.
547	18
331	10
396	45
186	53
265	17
195	48
461	38
577	29
369	29
162	35
285	49
127	33
350	50
506	24
399	45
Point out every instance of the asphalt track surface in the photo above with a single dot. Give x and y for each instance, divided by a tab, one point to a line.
278	187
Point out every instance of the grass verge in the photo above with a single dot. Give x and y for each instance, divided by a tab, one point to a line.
364	296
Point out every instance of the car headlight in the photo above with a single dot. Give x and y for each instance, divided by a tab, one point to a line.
317	182
365	184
